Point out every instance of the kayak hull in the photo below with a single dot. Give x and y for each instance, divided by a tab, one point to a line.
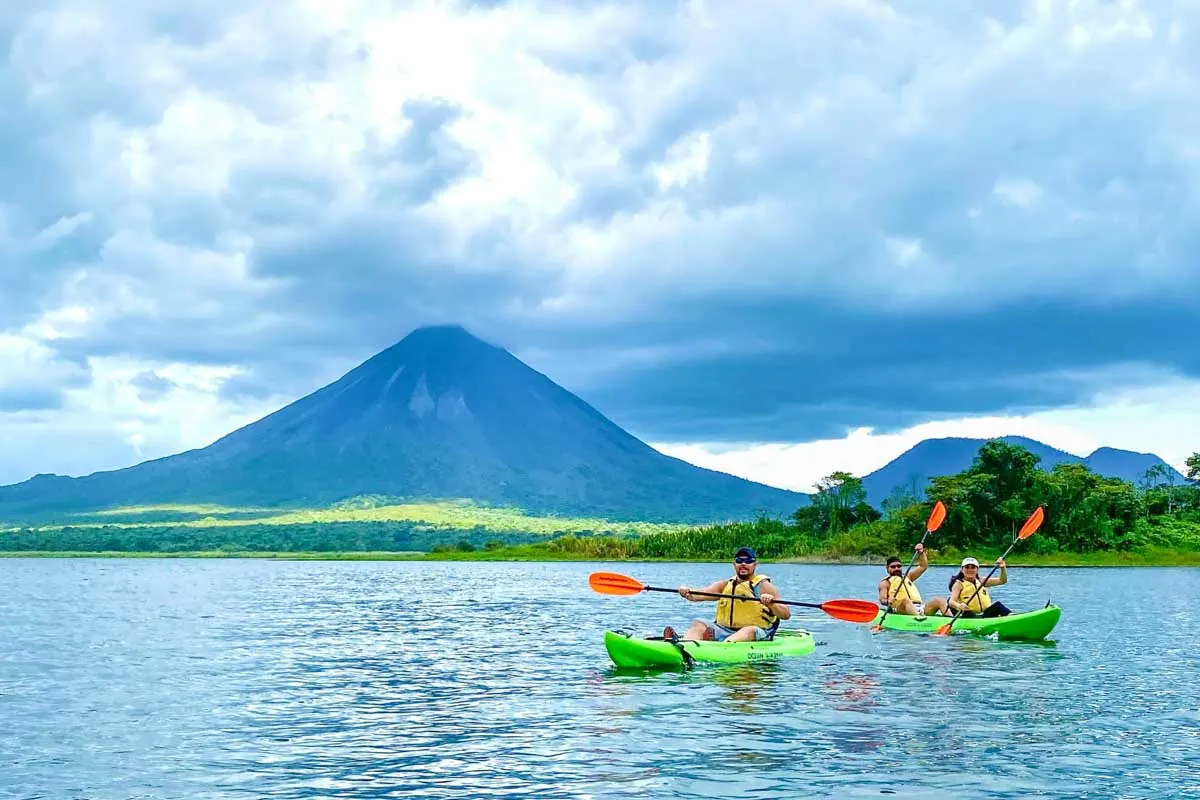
1025	626
632	651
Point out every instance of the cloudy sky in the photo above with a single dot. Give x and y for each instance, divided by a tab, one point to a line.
776	238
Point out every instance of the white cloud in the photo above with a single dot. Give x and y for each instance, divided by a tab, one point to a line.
543	120
1019	192
29	366
114	421
686	160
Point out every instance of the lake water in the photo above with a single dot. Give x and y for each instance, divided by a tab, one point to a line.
255	679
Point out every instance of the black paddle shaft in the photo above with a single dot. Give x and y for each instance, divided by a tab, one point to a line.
735	597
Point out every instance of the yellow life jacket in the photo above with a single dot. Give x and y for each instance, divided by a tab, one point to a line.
894	592
974	600
735	614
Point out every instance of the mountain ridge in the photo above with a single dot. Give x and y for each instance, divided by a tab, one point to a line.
951	454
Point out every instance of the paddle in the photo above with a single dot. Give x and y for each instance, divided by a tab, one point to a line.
936	517
849	610
1031	525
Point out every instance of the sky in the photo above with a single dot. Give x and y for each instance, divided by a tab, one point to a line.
777	239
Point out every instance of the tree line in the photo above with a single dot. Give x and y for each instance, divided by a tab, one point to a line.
986	504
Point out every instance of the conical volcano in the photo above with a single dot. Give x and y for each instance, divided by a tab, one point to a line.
439	415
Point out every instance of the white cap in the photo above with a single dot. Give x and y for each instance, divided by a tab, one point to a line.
969	560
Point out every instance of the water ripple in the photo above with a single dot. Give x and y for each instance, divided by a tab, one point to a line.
232	679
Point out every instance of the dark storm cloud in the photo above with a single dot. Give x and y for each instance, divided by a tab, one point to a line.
33	399
150	385
423	162
814	372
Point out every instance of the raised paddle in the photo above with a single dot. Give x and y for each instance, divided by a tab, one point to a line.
1031	525
936	517
849	610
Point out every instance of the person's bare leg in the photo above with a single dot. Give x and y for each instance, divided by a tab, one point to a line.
698	632
746	634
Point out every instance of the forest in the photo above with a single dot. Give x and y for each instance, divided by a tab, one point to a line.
1085	513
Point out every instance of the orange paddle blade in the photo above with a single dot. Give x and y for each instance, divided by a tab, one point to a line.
942	631
1032	524
851	610
936	517
614	583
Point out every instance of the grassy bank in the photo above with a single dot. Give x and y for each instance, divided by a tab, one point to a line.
448	516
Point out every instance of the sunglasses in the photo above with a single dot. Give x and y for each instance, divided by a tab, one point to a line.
970	566
743	560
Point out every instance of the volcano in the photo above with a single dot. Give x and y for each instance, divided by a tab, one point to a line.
439	415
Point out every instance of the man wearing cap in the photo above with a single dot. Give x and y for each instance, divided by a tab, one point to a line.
969	595
898	593
755	618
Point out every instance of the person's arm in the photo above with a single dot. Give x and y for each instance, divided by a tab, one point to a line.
955	594
922	563
712	588
884	588
767	595
1003	577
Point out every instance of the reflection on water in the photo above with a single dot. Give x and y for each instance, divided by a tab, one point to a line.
746	685
167	679
853	691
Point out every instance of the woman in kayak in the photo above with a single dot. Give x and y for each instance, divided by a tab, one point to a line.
754	619
969	595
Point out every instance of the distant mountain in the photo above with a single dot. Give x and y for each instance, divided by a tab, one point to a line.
439	415
934	457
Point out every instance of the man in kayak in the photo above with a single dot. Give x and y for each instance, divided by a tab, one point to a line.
753	619
899	593
969	594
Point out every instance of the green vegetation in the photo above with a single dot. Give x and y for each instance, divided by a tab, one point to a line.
362	524
367	510
1090	519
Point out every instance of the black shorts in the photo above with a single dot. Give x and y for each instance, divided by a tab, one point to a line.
996	609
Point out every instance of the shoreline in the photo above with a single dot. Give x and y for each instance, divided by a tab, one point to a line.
520	555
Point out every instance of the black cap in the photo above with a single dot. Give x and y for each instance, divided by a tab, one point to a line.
893	558
746	551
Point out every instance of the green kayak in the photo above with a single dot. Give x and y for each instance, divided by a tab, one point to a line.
631	651
1026	626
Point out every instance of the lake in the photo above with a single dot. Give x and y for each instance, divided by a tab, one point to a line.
161	678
